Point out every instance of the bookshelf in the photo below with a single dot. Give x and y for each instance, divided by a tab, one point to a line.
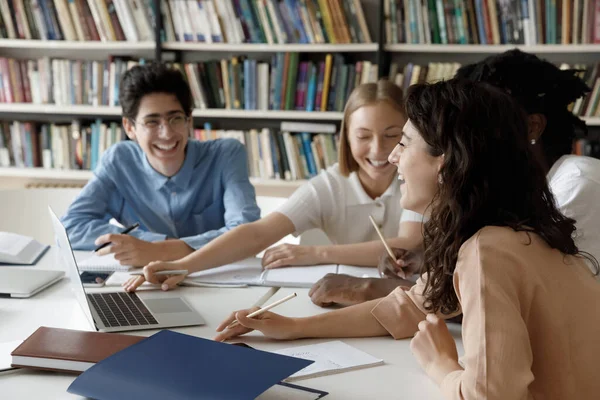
380	51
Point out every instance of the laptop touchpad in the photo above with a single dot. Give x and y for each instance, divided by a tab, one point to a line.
167	306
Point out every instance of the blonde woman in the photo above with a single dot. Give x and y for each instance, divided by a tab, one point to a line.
338	201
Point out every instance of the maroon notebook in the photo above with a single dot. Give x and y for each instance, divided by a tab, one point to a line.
68	350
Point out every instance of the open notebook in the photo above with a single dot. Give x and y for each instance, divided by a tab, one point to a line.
250	272
329	358
19	249
102	263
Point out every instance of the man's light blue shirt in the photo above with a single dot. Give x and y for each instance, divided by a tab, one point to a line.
210	195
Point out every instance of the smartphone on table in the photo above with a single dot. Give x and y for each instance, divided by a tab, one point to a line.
94	279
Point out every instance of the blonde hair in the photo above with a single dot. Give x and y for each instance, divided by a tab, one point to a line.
363	95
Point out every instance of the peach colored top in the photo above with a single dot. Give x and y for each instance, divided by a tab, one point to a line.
531	320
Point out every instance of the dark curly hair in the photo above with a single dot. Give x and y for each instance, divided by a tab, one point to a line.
489	177
540	87
146	79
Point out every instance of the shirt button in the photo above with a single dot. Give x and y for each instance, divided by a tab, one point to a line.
379	204
173	193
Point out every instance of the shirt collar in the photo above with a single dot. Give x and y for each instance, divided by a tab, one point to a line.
181	179
361	196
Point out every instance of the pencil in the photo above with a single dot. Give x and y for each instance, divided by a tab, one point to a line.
262	310
165	272
387	248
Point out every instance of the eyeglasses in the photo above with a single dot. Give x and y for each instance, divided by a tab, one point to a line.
177	123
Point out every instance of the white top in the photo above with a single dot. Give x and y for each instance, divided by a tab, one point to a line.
340	207
575	183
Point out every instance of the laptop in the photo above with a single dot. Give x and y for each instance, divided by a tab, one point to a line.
22	282
119	311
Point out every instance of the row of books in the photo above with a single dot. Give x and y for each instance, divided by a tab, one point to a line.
587	106
266	21
62	82
414	73
272	153
526	22
58	146
282	153
78	20
285	84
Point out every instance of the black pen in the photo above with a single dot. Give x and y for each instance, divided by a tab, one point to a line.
125	232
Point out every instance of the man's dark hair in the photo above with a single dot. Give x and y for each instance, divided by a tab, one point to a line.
540	87
146	79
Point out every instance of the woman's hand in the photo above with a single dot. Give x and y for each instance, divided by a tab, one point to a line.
286	255
270	324
166	281
435	349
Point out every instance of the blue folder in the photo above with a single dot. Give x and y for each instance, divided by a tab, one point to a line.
170	365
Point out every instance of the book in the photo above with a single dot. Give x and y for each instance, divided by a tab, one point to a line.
102	263
19	249
329	358
177	366
68	350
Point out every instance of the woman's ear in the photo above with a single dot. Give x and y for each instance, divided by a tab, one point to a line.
536	125
440	162
129	128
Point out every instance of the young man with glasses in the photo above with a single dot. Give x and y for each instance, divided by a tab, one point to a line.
182	192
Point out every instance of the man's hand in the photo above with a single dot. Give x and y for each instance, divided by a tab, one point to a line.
346	290
409	263
286	255
129	250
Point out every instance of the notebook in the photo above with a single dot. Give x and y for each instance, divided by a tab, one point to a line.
97	263
250	272
170	365
329	358
19	249
68	350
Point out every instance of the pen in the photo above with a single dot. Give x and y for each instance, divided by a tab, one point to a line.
387	248
125	232
165	272
262	310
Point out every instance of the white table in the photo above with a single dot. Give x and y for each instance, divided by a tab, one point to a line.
400	377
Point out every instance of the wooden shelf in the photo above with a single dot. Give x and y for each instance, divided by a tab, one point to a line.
52	109
491	49
81	110
74	45
271	48
269	114
591	121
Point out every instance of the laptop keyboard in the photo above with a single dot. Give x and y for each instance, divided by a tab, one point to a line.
121	309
